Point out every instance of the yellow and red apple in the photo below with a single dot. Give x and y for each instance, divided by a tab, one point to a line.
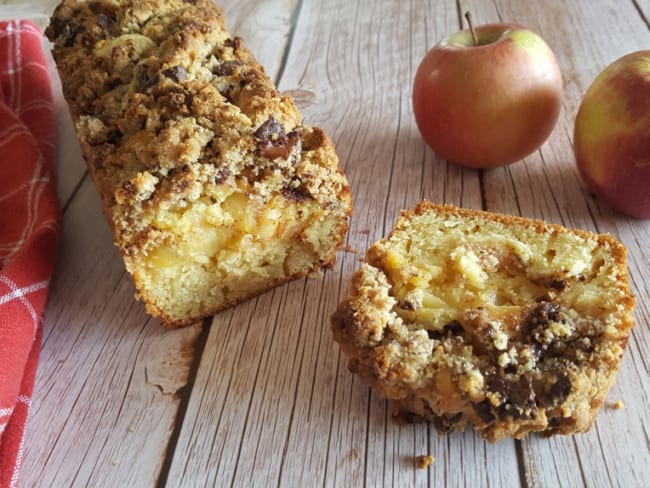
487	104
611	137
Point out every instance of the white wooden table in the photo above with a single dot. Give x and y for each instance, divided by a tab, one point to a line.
261	396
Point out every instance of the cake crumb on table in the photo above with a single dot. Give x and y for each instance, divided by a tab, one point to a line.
618	405
350	249
424	461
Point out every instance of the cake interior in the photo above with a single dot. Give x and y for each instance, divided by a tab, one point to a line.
225	246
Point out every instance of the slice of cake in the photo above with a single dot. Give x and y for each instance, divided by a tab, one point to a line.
213	187
510	325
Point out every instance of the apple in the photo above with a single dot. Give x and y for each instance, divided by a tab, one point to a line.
488	96
611	138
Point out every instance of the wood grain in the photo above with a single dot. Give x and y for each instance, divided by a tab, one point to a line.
263	396
324	426
547	186
93	393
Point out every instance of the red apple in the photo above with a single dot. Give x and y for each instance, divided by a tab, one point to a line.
489	104
611	137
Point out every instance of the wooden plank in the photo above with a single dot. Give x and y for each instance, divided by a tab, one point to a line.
108	374
547	186
272	402
81	415
71	167
35	10
389	169
643	7
308	421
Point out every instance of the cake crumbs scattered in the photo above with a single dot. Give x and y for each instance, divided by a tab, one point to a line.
618	405
424	461
350	249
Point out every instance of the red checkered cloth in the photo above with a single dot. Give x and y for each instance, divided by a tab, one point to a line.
29	227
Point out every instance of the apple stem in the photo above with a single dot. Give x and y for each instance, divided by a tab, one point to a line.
468	16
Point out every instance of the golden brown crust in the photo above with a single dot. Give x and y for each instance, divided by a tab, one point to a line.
214	188
508	324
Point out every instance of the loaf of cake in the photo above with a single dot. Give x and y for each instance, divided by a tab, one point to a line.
213	187
469	318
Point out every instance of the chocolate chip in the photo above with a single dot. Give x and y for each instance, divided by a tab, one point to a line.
104	21
114	137
558	391
446	423
558	425
407	305
269	130
536	323
561	389
227	94
521	393
517	395
554	422
69	34
558	284
279	149
272	142
484	411
297	194
556	349
56	26
176	73
234	43
222	175
144	81
454	328
544	313
436	335
227	68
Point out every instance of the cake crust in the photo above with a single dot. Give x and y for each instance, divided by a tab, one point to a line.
213	186
469	318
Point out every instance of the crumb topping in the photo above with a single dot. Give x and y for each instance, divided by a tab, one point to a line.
161	91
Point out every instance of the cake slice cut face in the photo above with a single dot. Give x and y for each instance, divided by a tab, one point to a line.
213	186
503	323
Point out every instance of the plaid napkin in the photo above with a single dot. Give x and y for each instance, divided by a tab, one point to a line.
29	227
